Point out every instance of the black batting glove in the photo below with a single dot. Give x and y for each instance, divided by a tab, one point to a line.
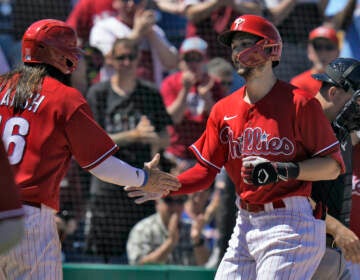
259	171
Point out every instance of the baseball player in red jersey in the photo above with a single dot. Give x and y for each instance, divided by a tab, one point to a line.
272	142
43	123
11	211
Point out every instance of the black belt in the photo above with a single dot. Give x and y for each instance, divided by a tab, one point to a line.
31	203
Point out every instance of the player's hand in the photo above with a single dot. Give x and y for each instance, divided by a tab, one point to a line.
141	196
159	181
257	171
349	244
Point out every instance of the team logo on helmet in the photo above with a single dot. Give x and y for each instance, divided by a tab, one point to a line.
238	21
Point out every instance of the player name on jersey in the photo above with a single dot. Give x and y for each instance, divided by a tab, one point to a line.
32	104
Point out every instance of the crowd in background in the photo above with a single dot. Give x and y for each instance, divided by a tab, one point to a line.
151	72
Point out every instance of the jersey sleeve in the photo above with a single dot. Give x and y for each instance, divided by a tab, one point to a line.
89	143
10	204
208	149
319	137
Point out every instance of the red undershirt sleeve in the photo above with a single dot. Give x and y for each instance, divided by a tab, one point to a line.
195	179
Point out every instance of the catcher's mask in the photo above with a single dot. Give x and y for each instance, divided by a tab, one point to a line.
342	72
267	48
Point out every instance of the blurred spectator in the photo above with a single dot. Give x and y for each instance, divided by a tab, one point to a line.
208	18
25	12
294	19
71	216
88	71
133	114
172	19
345	15
164	238
85	13
221	70
200	208
188	95
133	20
323	47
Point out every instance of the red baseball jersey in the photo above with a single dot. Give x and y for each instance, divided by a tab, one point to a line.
295	131
10	204
55	125
307	83
355	206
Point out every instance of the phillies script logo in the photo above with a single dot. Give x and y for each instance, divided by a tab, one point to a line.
255	141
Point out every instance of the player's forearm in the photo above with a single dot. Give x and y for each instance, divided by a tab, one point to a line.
319	168
195	179
159	255
115	171
332	225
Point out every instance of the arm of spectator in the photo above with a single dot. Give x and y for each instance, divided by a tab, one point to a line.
244	7
177	8
177	108
161	254
198	12
343	19
167	53
201	252
347	240
280	12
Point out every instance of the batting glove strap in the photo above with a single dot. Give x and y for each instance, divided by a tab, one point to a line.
270	172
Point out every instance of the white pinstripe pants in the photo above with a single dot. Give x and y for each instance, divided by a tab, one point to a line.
276	244
38	256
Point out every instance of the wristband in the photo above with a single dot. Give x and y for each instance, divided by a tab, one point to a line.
287	170
146	178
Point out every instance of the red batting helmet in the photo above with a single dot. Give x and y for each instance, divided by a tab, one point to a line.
52	42
269	47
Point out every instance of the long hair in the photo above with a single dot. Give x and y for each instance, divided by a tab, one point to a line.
26	80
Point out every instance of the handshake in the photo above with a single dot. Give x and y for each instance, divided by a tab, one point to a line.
157	183
259	171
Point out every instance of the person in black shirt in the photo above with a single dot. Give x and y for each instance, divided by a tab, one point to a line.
132	112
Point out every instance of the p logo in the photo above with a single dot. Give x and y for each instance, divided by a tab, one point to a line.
238	22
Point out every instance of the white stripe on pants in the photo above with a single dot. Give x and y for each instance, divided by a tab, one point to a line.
38	256
277	244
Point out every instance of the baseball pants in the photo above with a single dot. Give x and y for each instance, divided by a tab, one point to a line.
38	256
277	244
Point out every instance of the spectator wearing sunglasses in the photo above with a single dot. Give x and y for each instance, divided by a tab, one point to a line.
189	95
164	238
133	114
323	47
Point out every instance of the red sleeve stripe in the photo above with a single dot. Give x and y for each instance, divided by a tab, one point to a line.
11	213
326	148
100	159
200	157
